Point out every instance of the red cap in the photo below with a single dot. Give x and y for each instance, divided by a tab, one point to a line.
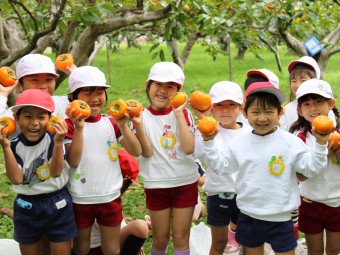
265	87
129	166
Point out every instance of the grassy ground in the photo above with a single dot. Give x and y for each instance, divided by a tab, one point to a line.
129	70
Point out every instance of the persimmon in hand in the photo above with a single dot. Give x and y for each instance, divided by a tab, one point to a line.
335	139
8	125
135	107
118	108
207	125
323	124
7	76
178	99
80	107
50	124
63	61
200	101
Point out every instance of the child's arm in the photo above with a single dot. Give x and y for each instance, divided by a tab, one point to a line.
75	148
142	137
130	142
4	93
13	170
57	159
186	137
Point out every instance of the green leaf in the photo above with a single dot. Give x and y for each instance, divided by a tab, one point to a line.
154	55
153	47
161	55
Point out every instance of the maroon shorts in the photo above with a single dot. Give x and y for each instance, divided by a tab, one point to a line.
96	251
177	197
107	214
315	217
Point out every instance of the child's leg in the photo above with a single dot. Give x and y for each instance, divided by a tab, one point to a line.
110	239
133	236
332	243
61	248
219	239
254	251
160	221
29	249
181	224
81	243
315	244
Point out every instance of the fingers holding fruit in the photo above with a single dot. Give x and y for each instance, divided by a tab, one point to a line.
180	98
55	124
322	126
7	127
64	62
134	107
208	127
118	109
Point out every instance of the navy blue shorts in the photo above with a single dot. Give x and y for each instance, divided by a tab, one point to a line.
253	233
50	214
222	209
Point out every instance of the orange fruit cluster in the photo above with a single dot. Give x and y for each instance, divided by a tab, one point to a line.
118	108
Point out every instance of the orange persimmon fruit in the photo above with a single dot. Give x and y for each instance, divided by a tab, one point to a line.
134	107
207	125
335	139
8	125
178	99
63	61
323	124
200	101
50	124
80	107
7	76
118	108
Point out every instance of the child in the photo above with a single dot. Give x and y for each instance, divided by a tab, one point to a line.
300	70
266	159
227	99
35	166
95	184
167	167
320	196
134	234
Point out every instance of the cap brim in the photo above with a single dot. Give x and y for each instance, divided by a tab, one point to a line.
92	85
253	71
16	108
276	92
32	73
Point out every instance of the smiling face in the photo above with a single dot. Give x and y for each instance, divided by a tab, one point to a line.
32	122
94	96
42	81
262	117
312	106
159	94
226	113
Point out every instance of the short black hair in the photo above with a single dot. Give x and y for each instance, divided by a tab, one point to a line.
263	99
252	79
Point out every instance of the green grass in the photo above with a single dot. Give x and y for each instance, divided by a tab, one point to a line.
129	70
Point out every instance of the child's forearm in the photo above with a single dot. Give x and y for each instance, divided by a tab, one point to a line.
75	150
144	141
57	161
13	171
130	142
186	137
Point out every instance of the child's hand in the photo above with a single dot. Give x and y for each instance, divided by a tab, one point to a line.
209	137
6	91
121	122
320	138
69	70
77	121
60	128
3	138
137	120
179	110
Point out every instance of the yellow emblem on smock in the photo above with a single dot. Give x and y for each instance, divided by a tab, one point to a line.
43	172
112	152
276	165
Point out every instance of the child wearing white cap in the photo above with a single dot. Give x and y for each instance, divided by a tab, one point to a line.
267	159
95	184
319	212
167	167
227	99
35	166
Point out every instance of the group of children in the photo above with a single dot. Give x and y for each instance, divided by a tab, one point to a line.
254	162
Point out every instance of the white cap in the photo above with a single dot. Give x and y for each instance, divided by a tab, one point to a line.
35	64
315	86
226	90
86	76
307	60
166	72
265	73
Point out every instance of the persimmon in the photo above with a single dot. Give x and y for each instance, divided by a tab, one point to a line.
8	125
63	61
200	101
178	99
335	139
186	8
7	76
118	108
207	125
80	107
323	124
50	123
135	107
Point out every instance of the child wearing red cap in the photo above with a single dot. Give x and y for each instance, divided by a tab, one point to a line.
267	159
35	166
167	167
95	184
319	212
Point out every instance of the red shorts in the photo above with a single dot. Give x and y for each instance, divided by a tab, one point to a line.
177	197
315	217
96	251
107	214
